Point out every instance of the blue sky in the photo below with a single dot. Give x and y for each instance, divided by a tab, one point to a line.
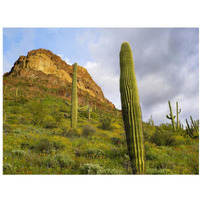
62	41
166	61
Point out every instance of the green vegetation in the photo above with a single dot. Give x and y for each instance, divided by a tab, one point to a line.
38	139
131	110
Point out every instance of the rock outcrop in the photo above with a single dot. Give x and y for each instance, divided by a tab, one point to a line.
43	63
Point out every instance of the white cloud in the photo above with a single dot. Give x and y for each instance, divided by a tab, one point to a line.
166	65
65	59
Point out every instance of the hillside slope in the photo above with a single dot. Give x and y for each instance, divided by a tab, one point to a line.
37	138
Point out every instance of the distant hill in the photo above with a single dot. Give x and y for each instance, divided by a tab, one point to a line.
50	70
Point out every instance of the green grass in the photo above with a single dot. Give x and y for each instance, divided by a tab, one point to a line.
37	139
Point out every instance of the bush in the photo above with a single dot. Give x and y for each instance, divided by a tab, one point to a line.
38	112
19	152
93	153
57	116
149	153
26	145
90	168
158	171
110	171
7	168
44	145
50	162
163	138
116	141
71	133
49	122
114	153
106	122
88	130
58	145
22	100
7	128
64	160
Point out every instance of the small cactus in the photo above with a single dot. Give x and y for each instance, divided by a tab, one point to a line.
195	124
171	116
16	93
131	111
193	129
74	100
178	111
151	122
89	112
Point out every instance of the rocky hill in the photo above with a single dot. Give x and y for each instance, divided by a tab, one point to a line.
43	66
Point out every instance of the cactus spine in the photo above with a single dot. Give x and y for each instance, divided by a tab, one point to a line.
171	116
178	111
131	110
74	100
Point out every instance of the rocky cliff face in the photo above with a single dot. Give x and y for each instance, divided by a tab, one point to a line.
43	64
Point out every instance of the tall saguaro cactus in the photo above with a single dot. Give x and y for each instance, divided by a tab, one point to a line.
131	111
171	116
178	111
74	100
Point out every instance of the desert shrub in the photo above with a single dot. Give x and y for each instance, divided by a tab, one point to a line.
7	168
158	171
64	160
109	171
70	133
19	152
93	153
38	111
49	122
166	126
114	153
147	136
90	168
163	138
149	153
44	145
50	162
55	112
17	131
116	141
105	122
22	100
15	109
26	145
88	130
56	131
7	128
58	145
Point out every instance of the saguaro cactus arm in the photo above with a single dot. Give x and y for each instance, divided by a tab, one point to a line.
131	110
